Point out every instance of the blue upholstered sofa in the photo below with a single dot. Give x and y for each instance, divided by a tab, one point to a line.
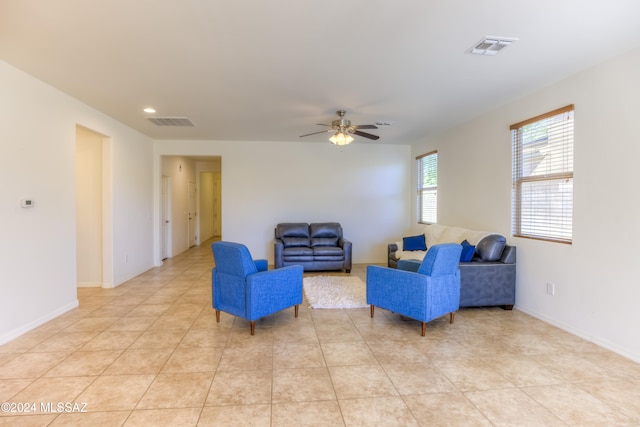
488	279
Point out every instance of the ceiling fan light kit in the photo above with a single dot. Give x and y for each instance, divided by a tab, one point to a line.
343	130
341	138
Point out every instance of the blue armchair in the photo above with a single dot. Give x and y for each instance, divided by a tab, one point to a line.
431	292
243	287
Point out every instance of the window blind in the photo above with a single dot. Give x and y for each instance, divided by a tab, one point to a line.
542	201
427	196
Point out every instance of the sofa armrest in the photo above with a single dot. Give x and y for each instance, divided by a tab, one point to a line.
278	247
487	284
261	264
391	249
391	289
274	290
346	247
412	294
392	260
508	255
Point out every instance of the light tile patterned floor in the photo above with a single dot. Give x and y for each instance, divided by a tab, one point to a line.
149	353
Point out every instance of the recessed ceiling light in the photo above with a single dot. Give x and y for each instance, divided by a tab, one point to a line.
149	110
491	45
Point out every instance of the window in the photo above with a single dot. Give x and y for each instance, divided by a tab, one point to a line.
542	202
428	187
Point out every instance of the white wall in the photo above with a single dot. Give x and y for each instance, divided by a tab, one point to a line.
366	187
37	160
596	279
132	200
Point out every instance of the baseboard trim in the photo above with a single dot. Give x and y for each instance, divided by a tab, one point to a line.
582	334
89	284
11	335
122	280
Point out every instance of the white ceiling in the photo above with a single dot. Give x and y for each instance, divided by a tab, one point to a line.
271	70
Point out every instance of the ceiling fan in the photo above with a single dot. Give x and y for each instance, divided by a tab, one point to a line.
343	129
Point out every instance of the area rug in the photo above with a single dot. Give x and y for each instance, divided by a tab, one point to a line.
335	291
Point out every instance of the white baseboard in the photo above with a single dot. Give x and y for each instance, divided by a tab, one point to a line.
582	334
89	284
119	281
11	335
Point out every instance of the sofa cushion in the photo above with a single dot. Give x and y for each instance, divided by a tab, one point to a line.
490	248
297	251
415	255
414	243
292	229
438	233
292	242
328	251
298	258
325	229
324	241
468	250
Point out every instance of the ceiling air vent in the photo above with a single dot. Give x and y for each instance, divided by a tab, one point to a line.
491	45
172	121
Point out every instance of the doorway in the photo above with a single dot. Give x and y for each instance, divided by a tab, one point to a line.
93	203
192	215
165	226
186	214
210	206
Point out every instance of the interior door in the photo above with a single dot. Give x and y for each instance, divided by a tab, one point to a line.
165	227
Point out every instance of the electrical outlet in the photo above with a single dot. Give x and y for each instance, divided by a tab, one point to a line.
551	288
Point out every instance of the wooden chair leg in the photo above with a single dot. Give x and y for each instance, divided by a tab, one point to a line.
424	328
295	310
371	309
253	327
218	316
451	316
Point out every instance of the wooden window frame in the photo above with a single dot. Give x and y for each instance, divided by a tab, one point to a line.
423	190
552	219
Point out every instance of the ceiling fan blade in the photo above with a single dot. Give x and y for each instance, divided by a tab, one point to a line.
322	124
366	135
315	133
365	127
